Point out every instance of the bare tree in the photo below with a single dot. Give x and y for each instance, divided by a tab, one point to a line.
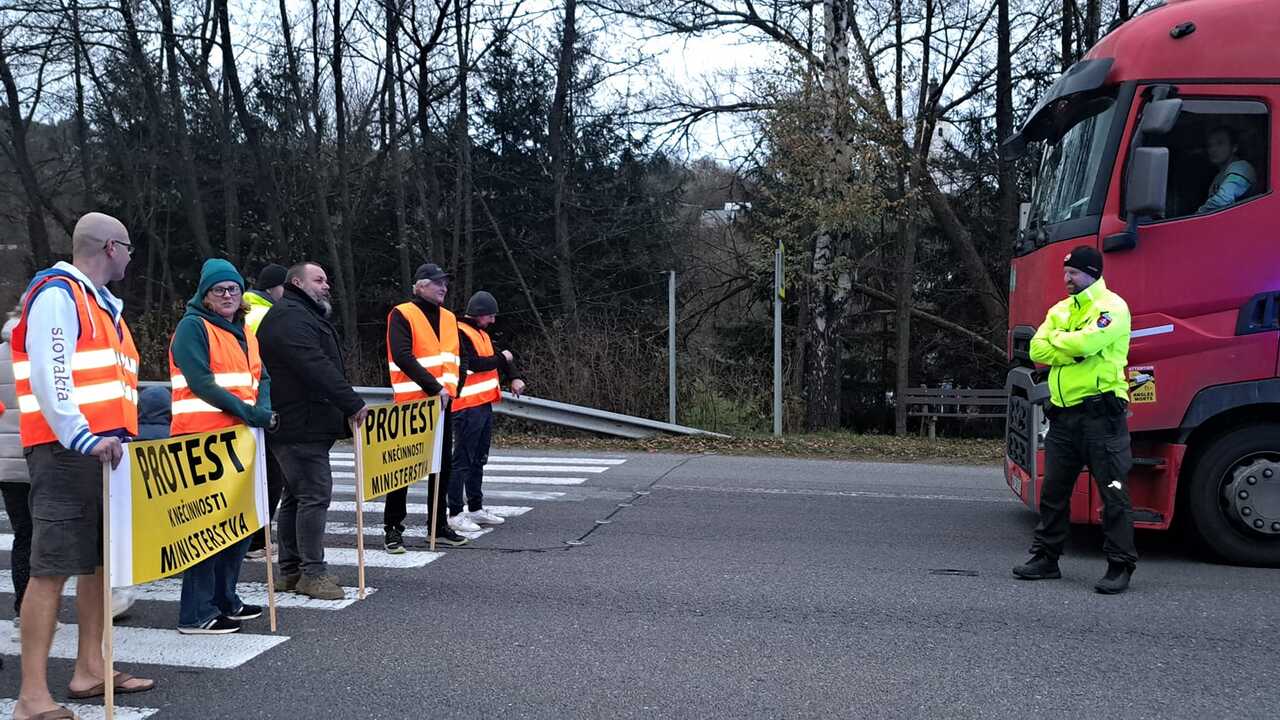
560	126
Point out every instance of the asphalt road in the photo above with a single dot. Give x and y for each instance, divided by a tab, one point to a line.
748	587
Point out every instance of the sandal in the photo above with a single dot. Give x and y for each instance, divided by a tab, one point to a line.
58	713
121	679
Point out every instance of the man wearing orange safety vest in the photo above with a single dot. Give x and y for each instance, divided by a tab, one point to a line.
478	390
75	373
423	355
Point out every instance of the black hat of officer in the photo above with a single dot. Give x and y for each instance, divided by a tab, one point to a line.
481	304
1087	260
429	271
271	276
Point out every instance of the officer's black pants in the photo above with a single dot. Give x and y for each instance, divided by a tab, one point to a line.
395	509
1101	441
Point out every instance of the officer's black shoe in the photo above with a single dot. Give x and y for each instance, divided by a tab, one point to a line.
1116	580
1040	567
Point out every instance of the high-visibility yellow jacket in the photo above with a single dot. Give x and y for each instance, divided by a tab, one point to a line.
1085	342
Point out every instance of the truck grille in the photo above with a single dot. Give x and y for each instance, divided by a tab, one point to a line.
1021	433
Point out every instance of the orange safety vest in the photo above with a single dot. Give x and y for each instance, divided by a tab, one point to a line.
104	371
439	355
481	387
233	371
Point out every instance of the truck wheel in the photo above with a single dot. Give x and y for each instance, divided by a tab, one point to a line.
1234	497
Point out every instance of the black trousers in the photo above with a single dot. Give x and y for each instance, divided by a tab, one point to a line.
275	485
470	454
17	506
395	510
1081	436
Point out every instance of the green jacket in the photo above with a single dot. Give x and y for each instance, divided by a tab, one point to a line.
190	349
258	304
1085	342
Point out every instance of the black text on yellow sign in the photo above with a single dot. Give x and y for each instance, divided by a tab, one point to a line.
397	445
191	497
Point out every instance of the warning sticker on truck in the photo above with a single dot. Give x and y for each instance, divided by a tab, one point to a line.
1142	384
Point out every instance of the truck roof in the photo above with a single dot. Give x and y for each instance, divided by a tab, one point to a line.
1232	40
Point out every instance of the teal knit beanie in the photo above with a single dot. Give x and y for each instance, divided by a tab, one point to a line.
216	271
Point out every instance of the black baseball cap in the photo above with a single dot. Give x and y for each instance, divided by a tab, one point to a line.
429	271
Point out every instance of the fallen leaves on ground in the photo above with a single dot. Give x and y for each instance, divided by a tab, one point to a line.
829	446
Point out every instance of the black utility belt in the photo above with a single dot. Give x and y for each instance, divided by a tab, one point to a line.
1105	405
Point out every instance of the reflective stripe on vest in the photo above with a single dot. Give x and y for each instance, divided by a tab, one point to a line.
438	355
104	371
483	387
233	371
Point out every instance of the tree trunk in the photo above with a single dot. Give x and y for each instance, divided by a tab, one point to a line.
905	276
192	205
394	175
435	193
560	136
1092	22
265	179
1007	221
1122	10
463	229
37	201
82	124
341	270
831	280
1068	20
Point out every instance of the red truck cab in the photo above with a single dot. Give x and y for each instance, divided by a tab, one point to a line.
1137	137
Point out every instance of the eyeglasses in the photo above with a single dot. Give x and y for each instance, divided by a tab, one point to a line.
126	245
226	290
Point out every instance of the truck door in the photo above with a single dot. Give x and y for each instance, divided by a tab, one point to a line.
1195	269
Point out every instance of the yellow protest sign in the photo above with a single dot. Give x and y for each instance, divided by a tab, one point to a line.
178	501
399	444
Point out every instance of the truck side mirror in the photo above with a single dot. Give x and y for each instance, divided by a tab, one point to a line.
1147	190
1159	116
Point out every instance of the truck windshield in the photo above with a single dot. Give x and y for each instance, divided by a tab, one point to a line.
1068	174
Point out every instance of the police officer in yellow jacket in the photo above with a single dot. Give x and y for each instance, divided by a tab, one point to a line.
1085	342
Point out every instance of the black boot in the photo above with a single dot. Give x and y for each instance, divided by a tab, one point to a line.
1039	567
1116	580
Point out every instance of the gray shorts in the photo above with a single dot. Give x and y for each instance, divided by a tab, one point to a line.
66	511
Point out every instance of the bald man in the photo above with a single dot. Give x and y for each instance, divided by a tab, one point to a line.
76	377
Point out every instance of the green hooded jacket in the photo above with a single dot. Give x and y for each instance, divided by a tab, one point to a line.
1085	342
190	349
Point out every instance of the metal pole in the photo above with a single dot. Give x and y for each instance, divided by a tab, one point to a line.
778	294
671	348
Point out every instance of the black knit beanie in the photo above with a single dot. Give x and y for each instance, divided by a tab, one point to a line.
1086	259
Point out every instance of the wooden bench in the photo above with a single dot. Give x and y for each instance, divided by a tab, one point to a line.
967	403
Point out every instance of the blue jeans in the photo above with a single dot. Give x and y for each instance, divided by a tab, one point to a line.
472	433
209	587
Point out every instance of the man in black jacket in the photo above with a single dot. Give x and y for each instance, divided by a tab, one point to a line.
309	390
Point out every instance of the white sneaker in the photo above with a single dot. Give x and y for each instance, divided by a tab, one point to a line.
462	523
484	517
121	600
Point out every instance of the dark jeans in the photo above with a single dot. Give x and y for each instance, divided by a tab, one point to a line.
1101	441
275	486
394	511
17	507
473	431
209	587
304	505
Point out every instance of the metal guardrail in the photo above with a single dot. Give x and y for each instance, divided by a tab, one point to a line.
557	413
574	416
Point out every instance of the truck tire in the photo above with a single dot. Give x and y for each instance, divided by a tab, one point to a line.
1234	495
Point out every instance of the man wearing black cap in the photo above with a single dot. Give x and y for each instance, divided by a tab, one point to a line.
423	355
267	291
479	389
1085	342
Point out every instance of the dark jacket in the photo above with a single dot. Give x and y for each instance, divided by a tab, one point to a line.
155	406
309	388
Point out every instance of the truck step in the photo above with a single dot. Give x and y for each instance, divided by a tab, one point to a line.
1145	515
1148	462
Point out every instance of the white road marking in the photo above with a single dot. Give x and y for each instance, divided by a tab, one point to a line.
533	480
545	468
525	495
88	712
375	530
376	557
557	460
6	543
154	646
253	593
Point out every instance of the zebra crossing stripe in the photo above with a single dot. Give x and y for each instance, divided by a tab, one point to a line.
509	479
544	468
252	593
87	712
525	495
557	460
336	528
156	646
375	558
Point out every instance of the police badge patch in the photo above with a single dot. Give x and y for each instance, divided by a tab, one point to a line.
1104	320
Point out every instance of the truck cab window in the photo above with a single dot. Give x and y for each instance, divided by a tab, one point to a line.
1218	156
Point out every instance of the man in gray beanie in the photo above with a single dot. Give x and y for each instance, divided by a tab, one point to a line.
479	388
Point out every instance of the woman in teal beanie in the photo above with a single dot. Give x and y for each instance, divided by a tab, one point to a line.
218	381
